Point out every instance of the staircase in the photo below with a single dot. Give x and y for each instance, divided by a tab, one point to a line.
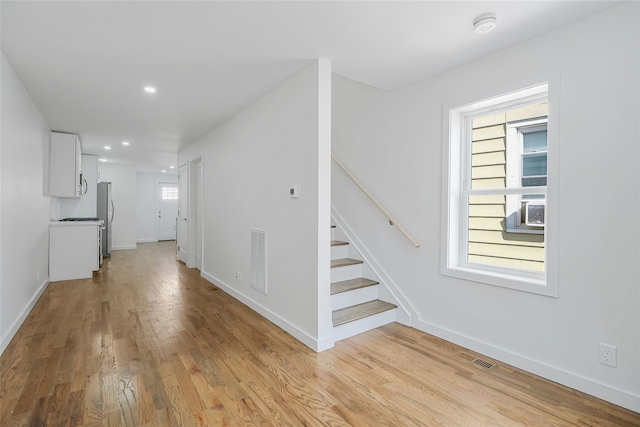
354	293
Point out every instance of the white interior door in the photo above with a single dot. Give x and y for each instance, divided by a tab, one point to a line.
183	214
167	208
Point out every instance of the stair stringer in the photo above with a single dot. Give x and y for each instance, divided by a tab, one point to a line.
388	289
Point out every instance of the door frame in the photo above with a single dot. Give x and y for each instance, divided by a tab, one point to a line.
188	217
196	210
155	214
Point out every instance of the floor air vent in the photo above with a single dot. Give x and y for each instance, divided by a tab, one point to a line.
484	363
466	356
475	360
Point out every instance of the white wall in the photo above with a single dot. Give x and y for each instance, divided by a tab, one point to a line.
146	195
123	188
393	144
24	211
249	163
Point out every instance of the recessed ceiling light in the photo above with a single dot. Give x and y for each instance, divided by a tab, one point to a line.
107	147
164	171
125	143
101	159
484	24
172	167
150	89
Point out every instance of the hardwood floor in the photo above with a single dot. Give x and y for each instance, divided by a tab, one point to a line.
147	342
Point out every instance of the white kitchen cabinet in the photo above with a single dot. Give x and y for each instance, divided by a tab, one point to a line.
65	167
84	206
73	250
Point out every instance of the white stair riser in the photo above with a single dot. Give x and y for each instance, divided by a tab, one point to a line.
339	274
354	297
341	251
362	325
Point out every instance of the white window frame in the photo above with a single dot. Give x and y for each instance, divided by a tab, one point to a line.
457	129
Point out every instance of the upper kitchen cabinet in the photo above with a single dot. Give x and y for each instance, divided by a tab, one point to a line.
65	168
84	206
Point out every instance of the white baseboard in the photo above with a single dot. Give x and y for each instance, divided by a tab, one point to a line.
124	248
324	344
553	373
8	336
300	335
145	241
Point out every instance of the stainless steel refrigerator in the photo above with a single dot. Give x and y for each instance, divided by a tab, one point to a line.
105	211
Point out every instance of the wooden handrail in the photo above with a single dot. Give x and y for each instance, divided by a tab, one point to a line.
386	213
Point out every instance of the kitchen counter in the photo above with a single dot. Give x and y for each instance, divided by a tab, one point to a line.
73	223
73	249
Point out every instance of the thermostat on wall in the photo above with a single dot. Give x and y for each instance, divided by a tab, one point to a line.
294	191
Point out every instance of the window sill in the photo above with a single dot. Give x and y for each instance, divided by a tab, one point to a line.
533	283
526	230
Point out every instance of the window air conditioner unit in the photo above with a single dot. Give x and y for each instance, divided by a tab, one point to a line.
534	213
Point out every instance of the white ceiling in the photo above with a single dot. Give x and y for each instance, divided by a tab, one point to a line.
85	63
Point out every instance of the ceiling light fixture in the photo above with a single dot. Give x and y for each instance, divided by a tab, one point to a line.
126	143
485	24
164	171
107	147
150	89
172	167
102	160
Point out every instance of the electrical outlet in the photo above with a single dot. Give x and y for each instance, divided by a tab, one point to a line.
607	355
239	276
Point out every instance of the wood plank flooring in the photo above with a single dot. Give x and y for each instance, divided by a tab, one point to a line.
147	342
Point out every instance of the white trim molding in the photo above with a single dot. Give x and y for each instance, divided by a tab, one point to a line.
124	248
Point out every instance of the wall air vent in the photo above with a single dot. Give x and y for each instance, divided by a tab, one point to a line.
259	260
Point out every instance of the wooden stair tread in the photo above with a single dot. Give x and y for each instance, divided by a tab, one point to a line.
338	243
351	284
342	262
360	311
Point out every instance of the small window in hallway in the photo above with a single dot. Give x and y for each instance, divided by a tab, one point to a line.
169	193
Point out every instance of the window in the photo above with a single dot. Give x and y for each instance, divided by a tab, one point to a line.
527	167
498	162
169	193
